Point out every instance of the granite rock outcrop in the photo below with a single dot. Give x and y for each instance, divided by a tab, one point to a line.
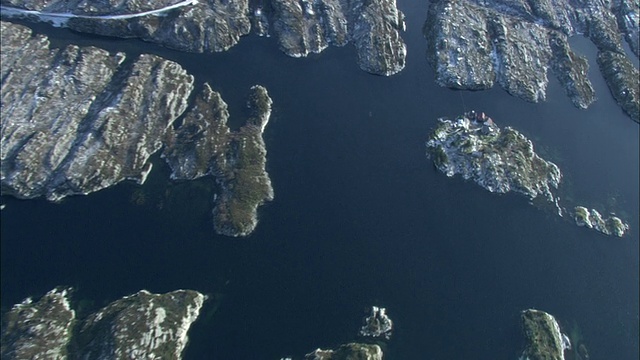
474	44
301	26
544	340
38	330
499	160
138	326
504	160
80	119
204	145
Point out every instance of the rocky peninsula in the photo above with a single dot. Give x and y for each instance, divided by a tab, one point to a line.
504	160
301	26
347	352
376	330
80	119
473	44
377	324
544	340
204	145
139	326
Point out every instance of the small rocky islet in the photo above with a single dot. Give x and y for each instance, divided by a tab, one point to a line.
80	119
155	326
504	160
139	326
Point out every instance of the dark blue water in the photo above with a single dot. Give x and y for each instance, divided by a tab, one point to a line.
361	217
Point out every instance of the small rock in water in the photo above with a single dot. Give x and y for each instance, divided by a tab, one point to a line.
377	324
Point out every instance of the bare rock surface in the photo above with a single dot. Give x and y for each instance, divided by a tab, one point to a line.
138	326
77	120
301	26
544	340
504	160
80	119
473	44
203	144
38	330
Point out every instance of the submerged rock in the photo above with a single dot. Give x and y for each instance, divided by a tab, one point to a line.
592	219
500	160
348	352
78	120
472	44
544	340
377	324
140	326
38	330
203	144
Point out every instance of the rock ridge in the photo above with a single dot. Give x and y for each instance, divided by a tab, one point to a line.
474	44
80	119
301	26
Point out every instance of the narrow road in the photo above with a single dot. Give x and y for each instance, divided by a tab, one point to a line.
60	18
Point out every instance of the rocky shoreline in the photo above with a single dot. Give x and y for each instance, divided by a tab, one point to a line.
138	326
474	44
301	26
504	160
80	119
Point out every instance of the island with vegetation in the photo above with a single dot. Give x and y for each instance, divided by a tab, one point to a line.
138	326
504	160
474	44
302	27
80	119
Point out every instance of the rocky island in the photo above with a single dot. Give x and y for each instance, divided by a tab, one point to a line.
500	160
301	26
139	326
80	119
544	340
377	326
504	160
592	219
204	145
473	44
348	352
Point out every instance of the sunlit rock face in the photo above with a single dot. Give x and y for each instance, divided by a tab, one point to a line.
38	330
301	26
377	324
499	160
474	44
186	25
347	352
544	340
204	145
140	326
80	119
504	160
592	219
